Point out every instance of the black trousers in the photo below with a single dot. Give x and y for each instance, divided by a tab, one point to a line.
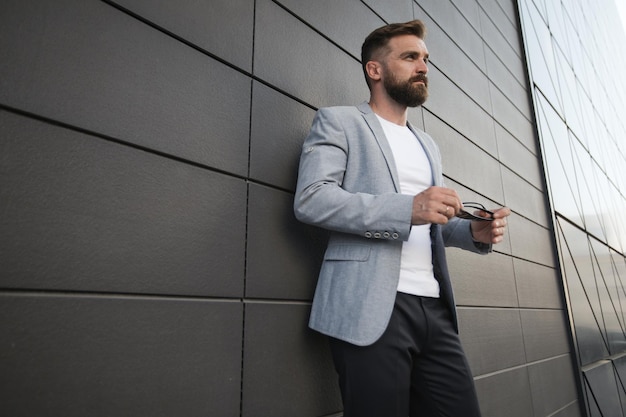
417	368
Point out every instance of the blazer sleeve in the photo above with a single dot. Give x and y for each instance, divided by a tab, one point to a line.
457	233
321	198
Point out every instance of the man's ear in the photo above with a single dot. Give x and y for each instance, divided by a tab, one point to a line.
374	70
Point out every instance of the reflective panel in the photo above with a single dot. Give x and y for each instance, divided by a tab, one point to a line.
608	296
539	51
573	50
584	300
558	162
588	201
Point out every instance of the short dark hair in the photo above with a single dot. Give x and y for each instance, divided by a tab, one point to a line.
379	39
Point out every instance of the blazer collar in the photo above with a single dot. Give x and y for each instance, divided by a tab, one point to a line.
377	129
383	143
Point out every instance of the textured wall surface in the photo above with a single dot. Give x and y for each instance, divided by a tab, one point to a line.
150	263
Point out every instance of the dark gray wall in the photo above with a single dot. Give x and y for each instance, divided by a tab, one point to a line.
150	263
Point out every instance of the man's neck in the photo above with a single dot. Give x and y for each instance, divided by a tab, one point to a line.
389	110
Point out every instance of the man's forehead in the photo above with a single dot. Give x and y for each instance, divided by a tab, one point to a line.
404	42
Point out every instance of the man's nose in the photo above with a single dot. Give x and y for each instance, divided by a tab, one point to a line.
422	67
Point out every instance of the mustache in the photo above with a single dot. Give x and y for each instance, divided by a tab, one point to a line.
420	77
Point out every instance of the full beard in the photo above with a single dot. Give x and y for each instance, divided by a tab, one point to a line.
408	93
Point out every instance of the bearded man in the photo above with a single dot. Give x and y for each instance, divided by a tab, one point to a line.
384	295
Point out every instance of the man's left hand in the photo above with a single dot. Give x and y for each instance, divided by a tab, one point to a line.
491	232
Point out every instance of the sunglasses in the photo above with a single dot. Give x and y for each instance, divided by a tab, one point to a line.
464	214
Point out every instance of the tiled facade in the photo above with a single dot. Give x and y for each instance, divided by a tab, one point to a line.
150	263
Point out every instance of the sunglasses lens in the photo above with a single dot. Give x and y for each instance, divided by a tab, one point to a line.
464	214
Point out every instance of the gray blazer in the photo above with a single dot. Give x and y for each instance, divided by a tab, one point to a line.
348	183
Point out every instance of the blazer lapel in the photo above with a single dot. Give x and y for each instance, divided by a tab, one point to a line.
383	143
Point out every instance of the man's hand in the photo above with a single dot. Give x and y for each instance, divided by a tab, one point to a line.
435	205
490	232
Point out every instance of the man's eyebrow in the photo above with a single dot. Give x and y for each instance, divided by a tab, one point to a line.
415	53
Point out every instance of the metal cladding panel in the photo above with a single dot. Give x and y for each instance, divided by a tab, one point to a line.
537	285
492	338
288	54
545	334
284	255
505	393
287	367
279	125
345	23
527	199
553	384
392	10
464	160
92	66
223	28
482	281
81	355
85	214
453	21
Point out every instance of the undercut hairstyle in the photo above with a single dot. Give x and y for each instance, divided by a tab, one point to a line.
377	42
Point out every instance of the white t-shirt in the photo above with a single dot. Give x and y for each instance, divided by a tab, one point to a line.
415	175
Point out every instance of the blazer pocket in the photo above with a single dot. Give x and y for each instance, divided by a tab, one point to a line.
359	253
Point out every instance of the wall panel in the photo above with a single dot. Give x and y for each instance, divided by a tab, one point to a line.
84	355
460	157
277	128
457	109
77	208
537	285
345	23
287	367
527	200
456	65
482	280
507	114
492	338
283	254
288	54
392	10
553	385
221	27
505	393
531	241
494	28
456	25
545	334
154	91
518	157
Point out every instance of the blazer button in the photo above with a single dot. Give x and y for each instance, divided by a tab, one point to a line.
377	235
395	236
386	235
368	235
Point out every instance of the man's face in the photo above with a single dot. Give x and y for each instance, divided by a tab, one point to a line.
404	70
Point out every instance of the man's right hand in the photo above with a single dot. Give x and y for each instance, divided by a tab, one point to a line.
435	205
